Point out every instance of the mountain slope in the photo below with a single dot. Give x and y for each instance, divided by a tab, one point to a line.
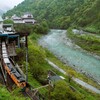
49	9
61	13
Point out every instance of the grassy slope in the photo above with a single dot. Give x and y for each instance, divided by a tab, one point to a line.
6	95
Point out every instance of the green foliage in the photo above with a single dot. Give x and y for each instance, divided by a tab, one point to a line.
37	72
20	55
40	28
71	73
86	41
62	14
62	91
88	15
93	29
37	54
8	21
59	14
36	62
6	95
23	29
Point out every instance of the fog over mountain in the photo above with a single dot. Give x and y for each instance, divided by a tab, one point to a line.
6	5
4	8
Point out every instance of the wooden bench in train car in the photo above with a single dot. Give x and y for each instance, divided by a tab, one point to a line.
14	71
22	79
10	66
17	74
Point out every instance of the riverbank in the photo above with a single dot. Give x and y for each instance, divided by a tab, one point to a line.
71	54
54	59
86	41
66	68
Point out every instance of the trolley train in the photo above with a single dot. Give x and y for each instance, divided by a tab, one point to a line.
10	69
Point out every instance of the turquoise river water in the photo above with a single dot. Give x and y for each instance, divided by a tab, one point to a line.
57	42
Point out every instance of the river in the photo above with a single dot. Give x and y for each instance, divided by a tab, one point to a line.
58	43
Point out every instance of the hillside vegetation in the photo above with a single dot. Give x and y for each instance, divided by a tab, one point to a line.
6	95
63	13
88	42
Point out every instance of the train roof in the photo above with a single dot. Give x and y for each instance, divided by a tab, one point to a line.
3	42
3	47
6	60
4	51
5	55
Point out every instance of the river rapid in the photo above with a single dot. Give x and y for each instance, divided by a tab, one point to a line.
60	45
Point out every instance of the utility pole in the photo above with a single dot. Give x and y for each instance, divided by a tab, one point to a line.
26	45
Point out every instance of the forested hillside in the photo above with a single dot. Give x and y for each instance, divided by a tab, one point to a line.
62	13
88	16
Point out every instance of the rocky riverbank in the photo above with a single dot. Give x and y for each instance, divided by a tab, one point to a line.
71	54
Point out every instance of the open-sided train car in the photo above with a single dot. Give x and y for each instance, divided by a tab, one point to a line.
10	69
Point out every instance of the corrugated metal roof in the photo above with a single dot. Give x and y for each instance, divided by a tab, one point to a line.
6	60
55	78
1	19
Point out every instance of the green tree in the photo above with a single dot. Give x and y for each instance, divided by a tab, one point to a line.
8	21
63	92
36	62
41	28
23	29
71	73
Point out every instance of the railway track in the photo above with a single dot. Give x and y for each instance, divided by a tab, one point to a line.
13	77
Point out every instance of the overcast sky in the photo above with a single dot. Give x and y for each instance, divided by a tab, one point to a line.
9	3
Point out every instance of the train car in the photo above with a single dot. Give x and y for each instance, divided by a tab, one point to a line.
11	70
4	55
